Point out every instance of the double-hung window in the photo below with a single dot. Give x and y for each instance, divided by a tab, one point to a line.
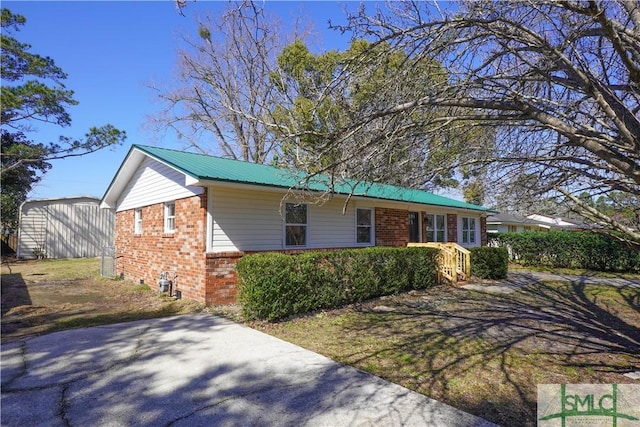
170	217
137	221
468	231
435	228
364	226
296	224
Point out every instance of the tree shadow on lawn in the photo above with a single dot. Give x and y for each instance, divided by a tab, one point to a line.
142	374
485	353
14	292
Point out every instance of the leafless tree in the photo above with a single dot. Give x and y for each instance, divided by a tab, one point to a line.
557	81
225	95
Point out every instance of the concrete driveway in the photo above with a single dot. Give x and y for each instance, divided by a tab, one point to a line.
197	370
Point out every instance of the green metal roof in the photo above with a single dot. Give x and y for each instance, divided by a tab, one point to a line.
210	168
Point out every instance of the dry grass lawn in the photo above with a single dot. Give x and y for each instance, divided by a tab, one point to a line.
45	296
483	353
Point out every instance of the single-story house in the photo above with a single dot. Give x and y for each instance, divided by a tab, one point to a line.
513	223
69	227
555	223
194	216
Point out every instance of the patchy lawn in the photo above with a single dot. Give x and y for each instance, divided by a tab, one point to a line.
575	272
483	353
45	296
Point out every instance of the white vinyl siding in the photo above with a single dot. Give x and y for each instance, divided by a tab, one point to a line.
252	220
154	182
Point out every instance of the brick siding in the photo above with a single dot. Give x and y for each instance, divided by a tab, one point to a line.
142	257
392	227
452	228
483	231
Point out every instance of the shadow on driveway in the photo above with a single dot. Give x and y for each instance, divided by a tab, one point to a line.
197	370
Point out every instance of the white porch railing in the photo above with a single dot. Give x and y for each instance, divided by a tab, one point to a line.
454	261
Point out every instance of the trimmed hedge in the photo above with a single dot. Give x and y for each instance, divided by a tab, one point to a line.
569	249
272	286
489	263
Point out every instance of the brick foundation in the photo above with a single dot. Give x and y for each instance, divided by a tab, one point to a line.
484	240
220	288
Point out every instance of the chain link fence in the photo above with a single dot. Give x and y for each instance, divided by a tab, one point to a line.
108	264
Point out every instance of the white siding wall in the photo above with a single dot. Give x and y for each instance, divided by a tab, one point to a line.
65	228
154	182
498	228
251	220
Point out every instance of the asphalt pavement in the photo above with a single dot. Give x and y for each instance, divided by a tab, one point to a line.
197	370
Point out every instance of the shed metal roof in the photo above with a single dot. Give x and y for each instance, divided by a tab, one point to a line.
203	168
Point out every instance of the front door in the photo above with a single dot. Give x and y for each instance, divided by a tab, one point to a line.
414	226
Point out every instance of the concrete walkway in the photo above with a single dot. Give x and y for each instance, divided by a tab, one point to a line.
197	370
518	279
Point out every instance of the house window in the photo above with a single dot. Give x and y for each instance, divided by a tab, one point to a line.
435	228
137	221
414	226
468	231
512	228
364	226
170	217
295	229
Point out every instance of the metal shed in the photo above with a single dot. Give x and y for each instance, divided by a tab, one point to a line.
72	227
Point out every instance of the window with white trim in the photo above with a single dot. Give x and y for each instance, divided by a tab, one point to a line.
364	226
468	231
170	217
296	224
436	228
137	221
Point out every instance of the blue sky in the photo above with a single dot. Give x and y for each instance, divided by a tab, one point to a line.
112	52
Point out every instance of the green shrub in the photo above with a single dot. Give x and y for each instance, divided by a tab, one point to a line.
489	263
273	285
569	249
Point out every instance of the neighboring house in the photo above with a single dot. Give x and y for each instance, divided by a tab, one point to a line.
195	215
71	227
512	223
555	223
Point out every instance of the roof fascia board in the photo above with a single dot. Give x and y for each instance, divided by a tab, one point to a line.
116	185
127	169
276	189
